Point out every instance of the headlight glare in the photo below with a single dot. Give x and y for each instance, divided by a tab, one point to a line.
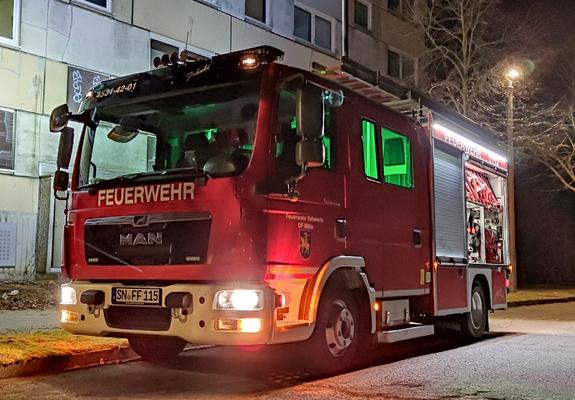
242	300
67	295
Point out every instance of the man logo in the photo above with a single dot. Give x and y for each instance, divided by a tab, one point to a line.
141	220
305	244
150	238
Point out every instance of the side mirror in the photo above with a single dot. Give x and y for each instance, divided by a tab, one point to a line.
65	148
310	153
59	118
60	181
309	112
122	134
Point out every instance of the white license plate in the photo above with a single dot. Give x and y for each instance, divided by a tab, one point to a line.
145	296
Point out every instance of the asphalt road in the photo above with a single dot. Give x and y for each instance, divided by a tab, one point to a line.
530	355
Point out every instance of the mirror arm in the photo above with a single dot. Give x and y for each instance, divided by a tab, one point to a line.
84	118
58	197
93	166
292	81
291	183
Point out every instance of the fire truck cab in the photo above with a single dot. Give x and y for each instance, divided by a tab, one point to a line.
238	201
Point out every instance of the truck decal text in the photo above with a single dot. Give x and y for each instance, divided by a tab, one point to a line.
146	194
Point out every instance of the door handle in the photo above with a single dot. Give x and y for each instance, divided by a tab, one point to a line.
416	235
340	228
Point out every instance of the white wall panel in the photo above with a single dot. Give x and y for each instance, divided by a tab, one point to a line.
25	224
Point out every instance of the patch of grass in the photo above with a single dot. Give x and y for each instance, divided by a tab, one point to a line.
19	347
536	294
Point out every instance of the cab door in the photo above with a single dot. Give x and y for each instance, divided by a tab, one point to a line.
388	203
302	232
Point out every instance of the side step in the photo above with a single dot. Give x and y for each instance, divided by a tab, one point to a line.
406	332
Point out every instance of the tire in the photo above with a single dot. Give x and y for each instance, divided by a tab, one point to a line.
157	349
475	322
341	330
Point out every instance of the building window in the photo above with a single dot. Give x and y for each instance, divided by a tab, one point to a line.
394	5
314	27
401	8
397	168
257	10
9	21
362	14
302	24
393	64
6	139
323	33
369	149
401	67
102	4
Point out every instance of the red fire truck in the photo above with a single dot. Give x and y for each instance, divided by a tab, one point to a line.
238	201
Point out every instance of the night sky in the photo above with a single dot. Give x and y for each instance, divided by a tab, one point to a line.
551	44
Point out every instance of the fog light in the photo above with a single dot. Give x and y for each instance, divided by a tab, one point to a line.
244	325
250	325
67	295
227	324
70	317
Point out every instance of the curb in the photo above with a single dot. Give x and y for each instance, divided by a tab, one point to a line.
68	362
56	364
522	303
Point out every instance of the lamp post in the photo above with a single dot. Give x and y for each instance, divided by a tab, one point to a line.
512	74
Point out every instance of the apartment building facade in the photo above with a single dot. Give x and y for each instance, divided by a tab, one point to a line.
53	51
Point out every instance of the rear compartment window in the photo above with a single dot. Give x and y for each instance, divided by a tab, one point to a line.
397	169
369	149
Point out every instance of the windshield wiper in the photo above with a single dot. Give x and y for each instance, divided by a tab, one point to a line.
125	180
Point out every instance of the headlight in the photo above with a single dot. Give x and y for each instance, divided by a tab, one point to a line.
243	300
67	295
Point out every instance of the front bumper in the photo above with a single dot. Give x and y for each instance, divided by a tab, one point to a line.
195	324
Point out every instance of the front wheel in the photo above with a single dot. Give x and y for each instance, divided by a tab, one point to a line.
340	331
475	322
157	349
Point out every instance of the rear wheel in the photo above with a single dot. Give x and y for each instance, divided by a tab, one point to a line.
157	348
475	322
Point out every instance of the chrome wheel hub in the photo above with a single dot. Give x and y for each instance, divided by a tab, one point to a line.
476	310
340	332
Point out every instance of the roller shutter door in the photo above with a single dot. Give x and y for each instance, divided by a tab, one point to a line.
449	181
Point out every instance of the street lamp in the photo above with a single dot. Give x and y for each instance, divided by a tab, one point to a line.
512	74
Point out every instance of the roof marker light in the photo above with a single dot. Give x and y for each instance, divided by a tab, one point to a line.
249	62
165	60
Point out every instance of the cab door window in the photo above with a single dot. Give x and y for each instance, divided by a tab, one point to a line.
396	150
286	137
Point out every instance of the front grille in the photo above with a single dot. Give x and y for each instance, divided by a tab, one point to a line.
161	239
142	318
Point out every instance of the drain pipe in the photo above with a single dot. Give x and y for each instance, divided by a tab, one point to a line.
344	22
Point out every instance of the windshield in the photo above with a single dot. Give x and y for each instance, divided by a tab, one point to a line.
208	131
